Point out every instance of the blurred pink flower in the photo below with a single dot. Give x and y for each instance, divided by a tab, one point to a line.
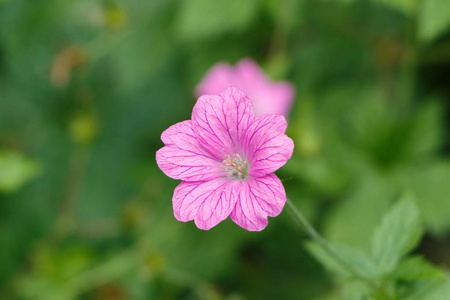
226	158
267	97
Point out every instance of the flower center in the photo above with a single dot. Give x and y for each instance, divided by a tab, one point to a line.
235	166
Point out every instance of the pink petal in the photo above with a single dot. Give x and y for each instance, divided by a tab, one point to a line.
219	122
276	98
184	158
259	198
251	74
221	76
208	203
266	146
267	96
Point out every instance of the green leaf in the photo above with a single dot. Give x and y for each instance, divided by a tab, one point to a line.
399	232
348	290
16	170
354	219
356	259
432	191
426	132
442	292
416	267
434	19
423	288
204	18
417	278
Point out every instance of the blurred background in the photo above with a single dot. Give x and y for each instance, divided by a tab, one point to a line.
88	86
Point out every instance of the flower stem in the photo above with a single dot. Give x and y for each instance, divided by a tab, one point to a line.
327	247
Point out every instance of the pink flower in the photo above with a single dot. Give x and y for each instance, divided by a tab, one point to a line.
267	97
226	158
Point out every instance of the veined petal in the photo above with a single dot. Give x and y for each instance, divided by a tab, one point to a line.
208	203
259	198
219	122
266	146
184	158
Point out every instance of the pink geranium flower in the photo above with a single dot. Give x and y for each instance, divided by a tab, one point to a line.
226	158
268	97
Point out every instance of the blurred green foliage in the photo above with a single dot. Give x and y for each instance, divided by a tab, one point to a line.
15	171
87	87
386	273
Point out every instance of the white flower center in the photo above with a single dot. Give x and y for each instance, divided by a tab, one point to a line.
235	166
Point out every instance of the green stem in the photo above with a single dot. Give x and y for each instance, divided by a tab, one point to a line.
66	222
315	236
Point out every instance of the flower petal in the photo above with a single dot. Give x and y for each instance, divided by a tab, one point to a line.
220	121
208	203
274	98
267	96
266	146
221	76
184	158
259	198
248	72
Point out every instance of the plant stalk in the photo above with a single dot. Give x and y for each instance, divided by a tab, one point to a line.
327	247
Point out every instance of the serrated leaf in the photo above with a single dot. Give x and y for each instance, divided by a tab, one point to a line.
356	259
204	18
434	19
420	289
416	267
399	232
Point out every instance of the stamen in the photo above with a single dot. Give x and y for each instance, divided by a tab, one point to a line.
235	166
